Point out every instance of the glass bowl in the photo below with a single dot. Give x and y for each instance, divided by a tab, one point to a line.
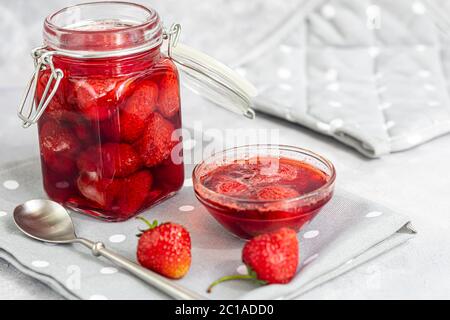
248	217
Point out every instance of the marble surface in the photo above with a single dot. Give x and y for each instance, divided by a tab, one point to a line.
414	182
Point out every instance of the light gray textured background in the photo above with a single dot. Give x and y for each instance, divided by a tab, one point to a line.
415	182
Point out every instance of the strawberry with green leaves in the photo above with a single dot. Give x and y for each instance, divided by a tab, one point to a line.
165	249
270	258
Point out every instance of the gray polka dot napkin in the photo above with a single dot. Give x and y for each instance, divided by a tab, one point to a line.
347	232
372	74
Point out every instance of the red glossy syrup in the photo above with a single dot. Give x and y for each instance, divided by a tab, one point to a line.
256	196
106	137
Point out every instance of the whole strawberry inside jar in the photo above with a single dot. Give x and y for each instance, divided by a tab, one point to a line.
105	96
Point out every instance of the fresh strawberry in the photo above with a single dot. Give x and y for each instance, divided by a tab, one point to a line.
101	191
58	146
156	143
95	98
165	249
110	160
169	94
137	108
276	192
270	258
134	193
273	256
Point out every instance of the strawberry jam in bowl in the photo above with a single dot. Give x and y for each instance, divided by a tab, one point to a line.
253	190
108	134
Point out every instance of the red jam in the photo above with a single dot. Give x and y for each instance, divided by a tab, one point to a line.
107	139
255	196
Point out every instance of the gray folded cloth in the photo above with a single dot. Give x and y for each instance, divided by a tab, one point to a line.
347	232
373	75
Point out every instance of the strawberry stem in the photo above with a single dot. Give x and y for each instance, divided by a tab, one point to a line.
235	277
150	225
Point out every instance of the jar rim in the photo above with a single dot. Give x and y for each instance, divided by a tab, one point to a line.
204	192
142	29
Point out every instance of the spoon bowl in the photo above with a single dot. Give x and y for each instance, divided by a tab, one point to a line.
45	220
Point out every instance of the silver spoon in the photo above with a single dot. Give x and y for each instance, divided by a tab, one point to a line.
50	222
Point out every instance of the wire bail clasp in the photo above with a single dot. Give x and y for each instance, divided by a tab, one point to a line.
43	59
172	37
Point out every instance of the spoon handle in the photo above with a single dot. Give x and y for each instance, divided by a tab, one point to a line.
165	285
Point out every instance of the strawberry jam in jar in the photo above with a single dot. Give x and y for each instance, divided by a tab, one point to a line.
109	130
258	189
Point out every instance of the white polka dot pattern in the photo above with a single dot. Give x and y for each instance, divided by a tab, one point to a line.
186	208
334	86
424	74
108	270
374	214
328	11
117	238
335	104
382	89
311	234
11	184
415	139
40	264
336	123
385	105
434	103
379	76
419	8
421	48
3	213
374	52
331	74
285	86
373	11
285	48
284	73
323	126
390	124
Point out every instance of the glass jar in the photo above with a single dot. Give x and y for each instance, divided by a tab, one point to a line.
107	104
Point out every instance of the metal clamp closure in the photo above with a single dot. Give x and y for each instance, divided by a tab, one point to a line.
172	37
30	111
